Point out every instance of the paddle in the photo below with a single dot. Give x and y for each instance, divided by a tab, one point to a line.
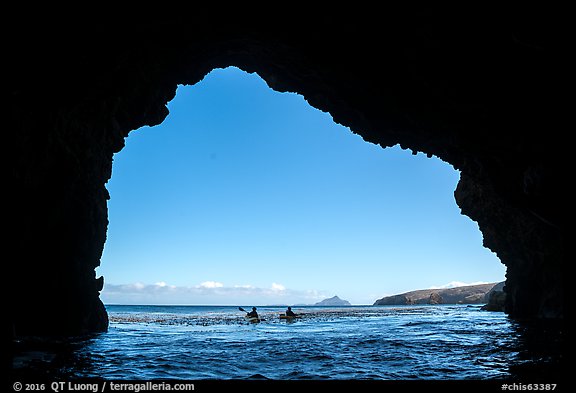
259	317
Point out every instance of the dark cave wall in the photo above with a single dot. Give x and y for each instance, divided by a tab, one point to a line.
472	97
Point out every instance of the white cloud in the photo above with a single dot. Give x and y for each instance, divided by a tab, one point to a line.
207	292
211	284
162	284
455	284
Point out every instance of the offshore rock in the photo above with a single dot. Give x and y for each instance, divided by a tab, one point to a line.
333	301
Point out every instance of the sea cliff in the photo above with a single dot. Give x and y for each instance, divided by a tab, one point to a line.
469	294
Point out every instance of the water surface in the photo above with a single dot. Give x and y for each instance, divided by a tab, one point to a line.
412	342
358	343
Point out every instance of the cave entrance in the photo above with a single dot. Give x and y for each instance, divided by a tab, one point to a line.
246	195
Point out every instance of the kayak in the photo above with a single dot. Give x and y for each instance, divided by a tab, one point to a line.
289	317
252	319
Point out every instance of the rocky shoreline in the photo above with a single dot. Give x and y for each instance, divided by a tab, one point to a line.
492	294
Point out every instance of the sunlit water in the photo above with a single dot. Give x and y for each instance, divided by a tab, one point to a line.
411	342
419	343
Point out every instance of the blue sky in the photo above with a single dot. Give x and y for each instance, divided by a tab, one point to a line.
244	195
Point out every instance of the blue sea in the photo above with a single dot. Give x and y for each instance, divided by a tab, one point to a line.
417	342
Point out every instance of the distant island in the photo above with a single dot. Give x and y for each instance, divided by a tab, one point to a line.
333	301
469	294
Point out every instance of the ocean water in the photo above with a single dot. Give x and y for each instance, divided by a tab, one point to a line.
440	342
216	342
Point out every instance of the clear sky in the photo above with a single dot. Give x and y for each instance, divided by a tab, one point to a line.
247	196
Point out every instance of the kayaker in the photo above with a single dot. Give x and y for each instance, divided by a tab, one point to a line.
253	313
289	312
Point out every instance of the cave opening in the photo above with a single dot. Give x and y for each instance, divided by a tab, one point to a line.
246	195
476	95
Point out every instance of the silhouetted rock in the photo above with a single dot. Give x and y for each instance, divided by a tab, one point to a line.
495	299
480	96
469	294
333	301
